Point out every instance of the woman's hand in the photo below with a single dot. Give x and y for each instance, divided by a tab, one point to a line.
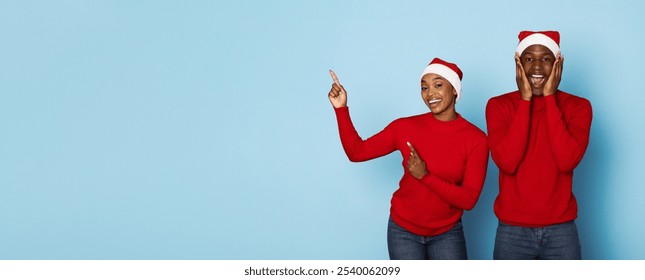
416	165
337	93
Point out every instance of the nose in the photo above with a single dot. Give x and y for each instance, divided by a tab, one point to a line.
537	66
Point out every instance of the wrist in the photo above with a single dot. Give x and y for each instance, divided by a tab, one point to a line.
526	96
549	92
423	174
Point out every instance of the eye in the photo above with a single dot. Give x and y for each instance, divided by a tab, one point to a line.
546	59
528	59
423	88
438	85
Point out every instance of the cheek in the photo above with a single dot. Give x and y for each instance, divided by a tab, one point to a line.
547	69
527	68
447	93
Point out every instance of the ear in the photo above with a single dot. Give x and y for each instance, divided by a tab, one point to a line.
454	91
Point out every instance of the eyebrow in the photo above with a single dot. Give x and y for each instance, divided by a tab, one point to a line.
538	54
435	78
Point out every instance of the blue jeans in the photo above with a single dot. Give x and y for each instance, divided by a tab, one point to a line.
404	245
556	242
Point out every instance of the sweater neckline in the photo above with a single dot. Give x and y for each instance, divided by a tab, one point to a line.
449	125
538	101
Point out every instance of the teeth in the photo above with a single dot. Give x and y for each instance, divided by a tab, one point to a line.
434	101
537	76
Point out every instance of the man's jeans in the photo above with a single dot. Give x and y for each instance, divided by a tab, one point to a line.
404	245
556	242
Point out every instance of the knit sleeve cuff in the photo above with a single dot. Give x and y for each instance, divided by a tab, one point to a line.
341	111
525	106
431	180
549	100
552	110
427	179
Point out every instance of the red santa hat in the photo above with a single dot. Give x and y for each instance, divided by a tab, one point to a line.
549	39
448	71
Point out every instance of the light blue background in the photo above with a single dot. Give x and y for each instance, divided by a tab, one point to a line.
202	129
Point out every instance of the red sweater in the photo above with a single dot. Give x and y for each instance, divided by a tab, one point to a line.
536	146
456	157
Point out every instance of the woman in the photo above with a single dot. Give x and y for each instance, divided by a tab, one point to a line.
444	160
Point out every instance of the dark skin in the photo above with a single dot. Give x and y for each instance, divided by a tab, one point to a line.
416	166
337	94
433	88
439	95
538	71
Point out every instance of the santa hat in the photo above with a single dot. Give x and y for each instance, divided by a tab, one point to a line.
549	39
448	71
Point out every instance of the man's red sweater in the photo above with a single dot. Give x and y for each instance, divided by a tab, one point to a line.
456	157
536	145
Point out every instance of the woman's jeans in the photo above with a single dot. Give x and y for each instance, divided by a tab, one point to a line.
556	242
404	245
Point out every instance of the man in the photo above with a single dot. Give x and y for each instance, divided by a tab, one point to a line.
537	135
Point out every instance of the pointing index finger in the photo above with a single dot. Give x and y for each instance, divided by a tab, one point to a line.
412	148
333	76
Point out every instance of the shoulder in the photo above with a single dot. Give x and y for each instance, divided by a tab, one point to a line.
567	100
405	121
503	106
411	119
506	99
473	132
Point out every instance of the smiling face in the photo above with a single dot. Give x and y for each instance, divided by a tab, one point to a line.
537	61
439	95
